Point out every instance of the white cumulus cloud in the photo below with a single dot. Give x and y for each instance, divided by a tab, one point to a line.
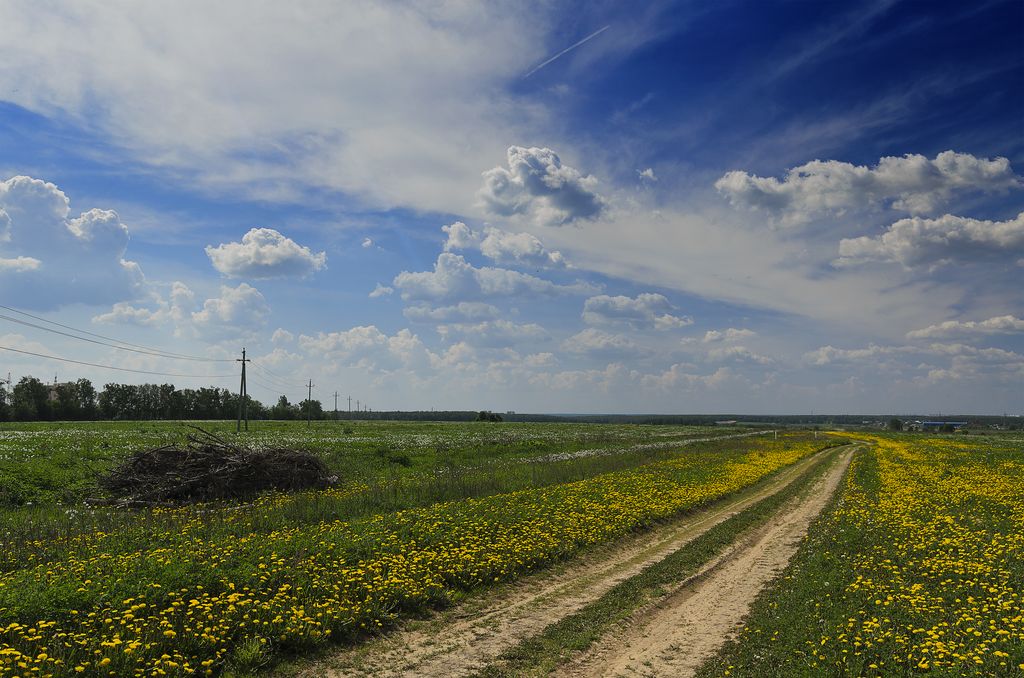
647	310
381	291
1004	324
918	364
124	313
827	355
464	311
265	253
911	183
918	241
740	354
368	347
237	310
730	334
18	264
282	336
48	259
597	343
501	246
537	185
493	333
456	279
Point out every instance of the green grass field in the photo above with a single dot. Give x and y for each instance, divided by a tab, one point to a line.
422	511
56	463
916	566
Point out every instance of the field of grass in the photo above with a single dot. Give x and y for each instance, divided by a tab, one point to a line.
424	511
918	568
49	469
44	463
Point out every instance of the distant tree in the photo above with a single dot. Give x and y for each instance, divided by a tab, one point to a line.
86	399
67	407
169	402
207	403
30	400
895	424
120	401
947	428
487	415
283	409
257	410
312	409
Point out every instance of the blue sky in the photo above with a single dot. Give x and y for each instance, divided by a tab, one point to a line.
702	207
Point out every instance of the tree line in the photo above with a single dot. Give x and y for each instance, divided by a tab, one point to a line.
33	400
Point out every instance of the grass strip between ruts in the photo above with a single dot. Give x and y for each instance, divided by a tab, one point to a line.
542	653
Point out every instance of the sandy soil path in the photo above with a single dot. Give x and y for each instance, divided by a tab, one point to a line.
463	640
674	636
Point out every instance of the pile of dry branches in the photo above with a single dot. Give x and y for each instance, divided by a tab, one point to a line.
207	467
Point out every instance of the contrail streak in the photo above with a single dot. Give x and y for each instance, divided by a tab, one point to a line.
568	49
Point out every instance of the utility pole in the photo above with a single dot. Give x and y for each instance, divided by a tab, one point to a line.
357	406
309	405
335	406
350	407
243	396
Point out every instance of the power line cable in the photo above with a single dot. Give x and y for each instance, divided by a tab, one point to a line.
280	381
119	369
148	349
278	384
269	387
271	373
104	343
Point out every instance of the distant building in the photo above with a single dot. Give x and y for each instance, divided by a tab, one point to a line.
52	395
725	422
936	425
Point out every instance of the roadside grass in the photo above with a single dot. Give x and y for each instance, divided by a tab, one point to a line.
556	644
915	569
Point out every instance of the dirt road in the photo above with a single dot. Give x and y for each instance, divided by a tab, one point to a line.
466	638
674	636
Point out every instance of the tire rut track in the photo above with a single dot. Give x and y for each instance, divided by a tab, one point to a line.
675	635
463	640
